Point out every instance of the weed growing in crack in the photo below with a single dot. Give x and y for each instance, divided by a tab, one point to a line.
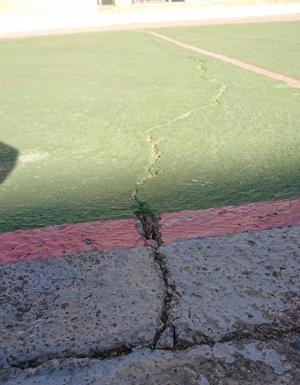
146	216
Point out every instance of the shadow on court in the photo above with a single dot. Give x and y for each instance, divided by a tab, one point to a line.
8	160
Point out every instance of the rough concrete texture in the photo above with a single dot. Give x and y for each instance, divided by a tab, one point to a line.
233	286
227	309
80	306
253	362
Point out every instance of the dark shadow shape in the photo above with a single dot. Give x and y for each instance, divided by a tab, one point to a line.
8	160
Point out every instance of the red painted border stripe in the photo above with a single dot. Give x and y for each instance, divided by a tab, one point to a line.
229	219
238	63
56	241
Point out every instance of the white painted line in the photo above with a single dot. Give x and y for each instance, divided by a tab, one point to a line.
246	66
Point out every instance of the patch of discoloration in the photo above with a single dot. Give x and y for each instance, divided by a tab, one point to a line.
34	157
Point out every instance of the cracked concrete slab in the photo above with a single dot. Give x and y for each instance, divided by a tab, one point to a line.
251	362
232	286
78	306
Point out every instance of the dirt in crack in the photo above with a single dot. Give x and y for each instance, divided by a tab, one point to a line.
169	291
150	230
148	225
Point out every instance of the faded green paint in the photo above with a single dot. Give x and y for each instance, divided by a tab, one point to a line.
80	110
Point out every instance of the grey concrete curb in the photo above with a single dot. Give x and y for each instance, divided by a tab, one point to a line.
219	310
83	306
237	285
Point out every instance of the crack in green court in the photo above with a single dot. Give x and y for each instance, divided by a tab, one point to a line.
145	214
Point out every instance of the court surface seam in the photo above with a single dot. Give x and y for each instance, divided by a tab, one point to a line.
226	59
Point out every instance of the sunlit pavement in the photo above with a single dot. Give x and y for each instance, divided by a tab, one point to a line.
30	22
216	309
196	311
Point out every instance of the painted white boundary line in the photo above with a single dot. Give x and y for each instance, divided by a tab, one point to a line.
246	66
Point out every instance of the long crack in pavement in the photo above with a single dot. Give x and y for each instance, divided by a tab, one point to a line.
201	67
148	220
150	230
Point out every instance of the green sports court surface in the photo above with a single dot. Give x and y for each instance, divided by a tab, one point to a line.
87	118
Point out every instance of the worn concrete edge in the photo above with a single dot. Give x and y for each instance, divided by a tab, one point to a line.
71	239
124	351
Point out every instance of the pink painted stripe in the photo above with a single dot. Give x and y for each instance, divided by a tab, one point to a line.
56	241
231	219
246	66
